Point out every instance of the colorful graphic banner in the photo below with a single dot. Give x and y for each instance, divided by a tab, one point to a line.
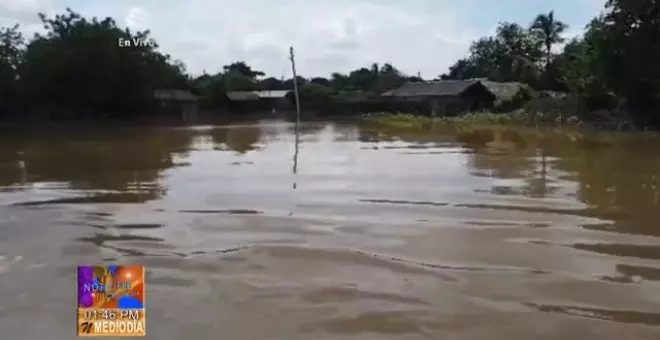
111	301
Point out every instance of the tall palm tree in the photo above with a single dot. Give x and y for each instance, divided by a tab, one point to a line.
549	30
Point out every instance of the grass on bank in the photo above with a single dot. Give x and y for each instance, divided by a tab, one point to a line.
537	125
398	120
406	120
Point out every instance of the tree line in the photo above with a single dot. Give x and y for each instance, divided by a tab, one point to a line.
76	70
614	61
362	83
77	67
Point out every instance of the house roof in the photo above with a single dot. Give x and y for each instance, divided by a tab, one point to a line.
242	95
272	93
176	95
431	88
256	95
503	91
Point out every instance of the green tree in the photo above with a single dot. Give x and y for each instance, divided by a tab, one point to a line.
462	69
272	83
631	52
518	53
235	81
11	56
242	68
580	69
11	52
321	81
549	30
78	65
211	90
363	78
238	76
339	81
312	92
513	54
387	78
288	84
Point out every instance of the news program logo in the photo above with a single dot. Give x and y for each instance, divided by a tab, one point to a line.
111	301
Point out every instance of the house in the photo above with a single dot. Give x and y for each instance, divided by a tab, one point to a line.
178	103
454	97
505	93
261	100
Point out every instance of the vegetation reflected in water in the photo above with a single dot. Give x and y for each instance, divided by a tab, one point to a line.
464	233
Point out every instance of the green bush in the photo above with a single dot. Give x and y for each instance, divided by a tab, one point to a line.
398	120
406	120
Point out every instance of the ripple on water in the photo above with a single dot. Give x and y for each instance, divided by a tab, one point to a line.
351	233
625	316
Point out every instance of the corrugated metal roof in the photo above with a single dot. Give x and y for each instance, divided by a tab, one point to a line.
272	94
178	95
255	95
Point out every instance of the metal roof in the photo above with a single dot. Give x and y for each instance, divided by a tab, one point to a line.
272	93
255	95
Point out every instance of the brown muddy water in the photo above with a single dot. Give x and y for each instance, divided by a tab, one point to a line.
349	234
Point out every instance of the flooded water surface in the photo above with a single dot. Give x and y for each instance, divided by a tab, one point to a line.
343	232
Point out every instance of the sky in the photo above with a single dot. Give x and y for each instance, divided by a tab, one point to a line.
416	36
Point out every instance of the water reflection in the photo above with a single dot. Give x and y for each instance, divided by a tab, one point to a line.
408	234
240	139
615	176
127	165
125	161
637	273
295	152
623	177
616	315
307	129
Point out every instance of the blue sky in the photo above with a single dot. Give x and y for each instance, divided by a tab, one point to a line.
329	35
483	13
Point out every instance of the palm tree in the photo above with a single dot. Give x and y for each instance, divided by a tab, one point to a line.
549	30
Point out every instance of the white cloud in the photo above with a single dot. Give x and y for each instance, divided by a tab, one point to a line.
23	12
137	19
22	6
328	35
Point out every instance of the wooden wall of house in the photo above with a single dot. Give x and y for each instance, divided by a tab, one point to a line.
447	106
478	97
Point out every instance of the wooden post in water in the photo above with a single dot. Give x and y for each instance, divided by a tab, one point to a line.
297	136
295	86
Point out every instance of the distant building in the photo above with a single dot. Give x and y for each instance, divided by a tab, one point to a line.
178	103
454	97
261	100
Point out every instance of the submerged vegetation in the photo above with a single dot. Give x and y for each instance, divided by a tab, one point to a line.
405	120
398	120
488	127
